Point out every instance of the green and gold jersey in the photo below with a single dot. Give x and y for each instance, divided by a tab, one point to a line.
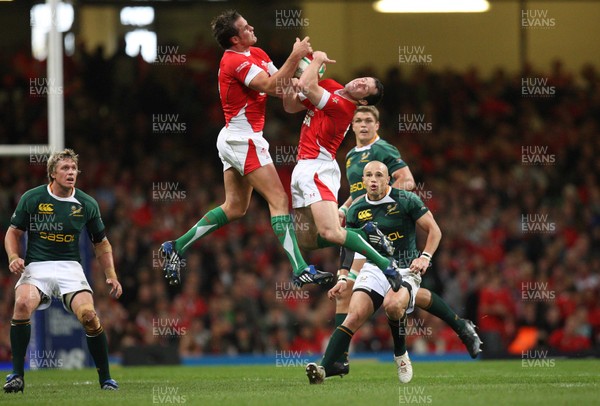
53	224
396	216
357	158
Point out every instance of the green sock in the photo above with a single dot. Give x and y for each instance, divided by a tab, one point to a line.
98	347
337	347
323	243
398	329
20	333
211	221
439	308
357	243
284	230
339	319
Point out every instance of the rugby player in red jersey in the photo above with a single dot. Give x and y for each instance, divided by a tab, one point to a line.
246	76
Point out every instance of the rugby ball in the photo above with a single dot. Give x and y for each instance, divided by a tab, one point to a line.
303	64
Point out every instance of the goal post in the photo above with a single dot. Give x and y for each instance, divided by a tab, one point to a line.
56	126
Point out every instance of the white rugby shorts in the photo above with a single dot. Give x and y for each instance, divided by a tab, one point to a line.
314	180
54	279
372	278
243	151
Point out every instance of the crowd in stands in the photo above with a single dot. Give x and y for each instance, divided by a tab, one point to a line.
512	178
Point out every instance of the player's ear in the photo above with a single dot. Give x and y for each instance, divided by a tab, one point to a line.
362	102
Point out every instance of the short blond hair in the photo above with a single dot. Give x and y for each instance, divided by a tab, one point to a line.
368	109
56	157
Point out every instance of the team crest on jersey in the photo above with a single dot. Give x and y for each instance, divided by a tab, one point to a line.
76	211
392	209
365	157
365	215
46	208
348	162
335	100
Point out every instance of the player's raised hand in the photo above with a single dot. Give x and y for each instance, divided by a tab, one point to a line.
322	57
302	48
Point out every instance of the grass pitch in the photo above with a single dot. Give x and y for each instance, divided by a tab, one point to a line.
562	382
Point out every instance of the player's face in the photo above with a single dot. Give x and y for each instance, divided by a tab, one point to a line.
65	173
360	88
365	128
245	32
376	180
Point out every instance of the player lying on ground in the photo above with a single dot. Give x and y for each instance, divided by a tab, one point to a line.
395	211
52	265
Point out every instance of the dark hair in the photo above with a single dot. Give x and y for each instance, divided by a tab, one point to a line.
373	99
223	27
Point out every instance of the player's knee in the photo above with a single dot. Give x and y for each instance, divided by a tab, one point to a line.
353	320
395	309
24	306
234	211
89	320
332	234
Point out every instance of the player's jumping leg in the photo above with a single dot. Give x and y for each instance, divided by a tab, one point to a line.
27	299
82	305
238	192
432	303
266	182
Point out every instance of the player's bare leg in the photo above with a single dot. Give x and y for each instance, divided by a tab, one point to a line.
266	182
395	305
361	308
82	305
464	328
27	299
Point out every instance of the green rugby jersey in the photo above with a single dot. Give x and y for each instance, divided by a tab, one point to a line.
53	224
357	158
396	216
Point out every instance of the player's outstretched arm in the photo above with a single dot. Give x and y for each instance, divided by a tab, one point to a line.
309	81
268	84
